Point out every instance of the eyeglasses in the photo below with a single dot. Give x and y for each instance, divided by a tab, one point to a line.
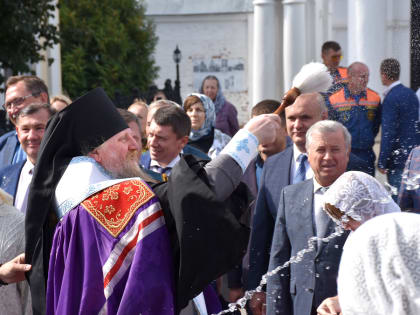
18	101
337	57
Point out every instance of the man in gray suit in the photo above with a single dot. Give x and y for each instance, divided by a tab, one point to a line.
280	170
300	288
288	167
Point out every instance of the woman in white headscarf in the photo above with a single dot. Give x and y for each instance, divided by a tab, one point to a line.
356	197
353	199
380	267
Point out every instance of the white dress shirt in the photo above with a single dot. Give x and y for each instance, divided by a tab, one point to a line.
295	165
22	191
154	165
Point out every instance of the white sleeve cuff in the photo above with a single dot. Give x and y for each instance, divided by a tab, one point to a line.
242	148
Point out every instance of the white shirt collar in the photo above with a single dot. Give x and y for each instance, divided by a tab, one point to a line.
27	167
389	87
297	153
171	164
317	186
22	190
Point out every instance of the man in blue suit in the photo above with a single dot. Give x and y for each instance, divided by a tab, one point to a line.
21	91
400	111
285	168
300	288
30	126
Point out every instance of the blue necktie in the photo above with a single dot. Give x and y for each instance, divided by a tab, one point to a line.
301	171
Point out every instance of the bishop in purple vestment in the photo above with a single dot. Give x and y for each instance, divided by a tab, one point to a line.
111	253
103	245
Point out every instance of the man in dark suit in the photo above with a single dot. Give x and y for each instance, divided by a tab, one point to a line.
400	111
301	287
237	278
146	159
21	91
167	136
30	126
285	168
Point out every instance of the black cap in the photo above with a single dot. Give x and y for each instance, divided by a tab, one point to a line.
86	123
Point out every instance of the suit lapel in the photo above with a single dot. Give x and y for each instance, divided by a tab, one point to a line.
289	158
16	181
303	206
9	150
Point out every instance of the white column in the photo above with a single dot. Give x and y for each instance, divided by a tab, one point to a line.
322	27
267	51
54	70
294	39
367	30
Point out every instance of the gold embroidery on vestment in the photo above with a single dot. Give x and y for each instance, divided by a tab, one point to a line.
114	210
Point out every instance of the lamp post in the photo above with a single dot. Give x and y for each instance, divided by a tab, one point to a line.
177	58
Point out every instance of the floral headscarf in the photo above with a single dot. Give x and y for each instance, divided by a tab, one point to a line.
379	271
359	196
210	117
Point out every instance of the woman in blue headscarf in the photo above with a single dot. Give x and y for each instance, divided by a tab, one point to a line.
204	136
226	113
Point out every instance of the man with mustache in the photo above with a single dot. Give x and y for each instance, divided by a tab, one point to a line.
21	91
122	245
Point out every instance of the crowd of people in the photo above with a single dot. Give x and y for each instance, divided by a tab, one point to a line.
169	208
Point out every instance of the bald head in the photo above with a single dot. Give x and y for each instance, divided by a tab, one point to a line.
306	110
314	100
358	77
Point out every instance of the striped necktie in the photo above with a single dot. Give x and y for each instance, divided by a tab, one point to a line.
301	171
162	170
321	218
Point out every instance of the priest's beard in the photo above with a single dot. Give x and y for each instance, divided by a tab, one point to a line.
130	168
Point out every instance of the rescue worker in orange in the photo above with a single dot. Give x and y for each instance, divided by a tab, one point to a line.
331	56
359	109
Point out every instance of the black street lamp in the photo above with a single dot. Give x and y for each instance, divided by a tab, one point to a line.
177	58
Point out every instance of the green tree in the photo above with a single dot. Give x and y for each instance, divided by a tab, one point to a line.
106	43
25	32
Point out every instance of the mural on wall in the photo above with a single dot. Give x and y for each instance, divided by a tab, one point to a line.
230	72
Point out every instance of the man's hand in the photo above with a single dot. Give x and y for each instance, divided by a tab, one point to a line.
265	127
383	170
329	306
257	303
14	270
